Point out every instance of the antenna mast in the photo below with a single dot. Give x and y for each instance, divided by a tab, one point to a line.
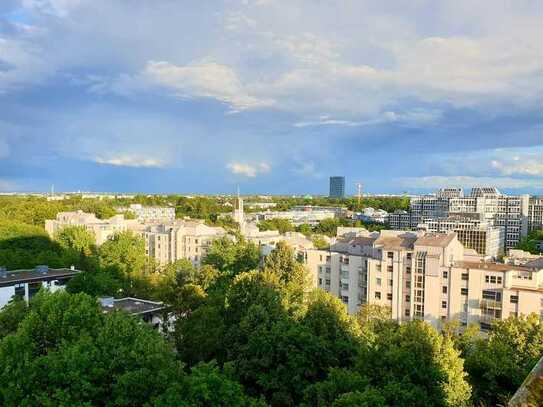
359	194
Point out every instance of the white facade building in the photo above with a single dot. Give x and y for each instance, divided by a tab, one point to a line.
26	283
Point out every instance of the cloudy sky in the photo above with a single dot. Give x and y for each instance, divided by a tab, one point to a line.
276	95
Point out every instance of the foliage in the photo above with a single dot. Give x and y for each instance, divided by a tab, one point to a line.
498	365
66	352
124	251
319	242
281	225
25	246
11	315
232	258
530	242
414	366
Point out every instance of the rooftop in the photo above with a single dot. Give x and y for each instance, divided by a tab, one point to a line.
40	273
436	239
490	266
133	306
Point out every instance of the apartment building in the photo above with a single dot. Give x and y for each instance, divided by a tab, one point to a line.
399	220
182	239
430	276
152	213
535	213
472	232
102	229
27	283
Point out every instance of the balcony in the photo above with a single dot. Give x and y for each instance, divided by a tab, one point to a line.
490	304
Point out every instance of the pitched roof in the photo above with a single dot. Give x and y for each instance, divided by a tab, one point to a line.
435	239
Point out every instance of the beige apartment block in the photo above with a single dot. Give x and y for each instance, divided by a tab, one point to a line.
182	239
102	229
429	276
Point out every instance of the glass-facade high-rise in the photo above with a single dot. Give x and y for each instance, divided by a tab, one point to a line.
337	187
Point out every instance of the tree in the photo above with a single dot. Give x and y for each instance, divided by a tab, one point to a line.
305	229
413	365
327	318
498	365
232	258
11	315
79	246
67	352
281	225
319	242
124	251
338	382
206	386
368	398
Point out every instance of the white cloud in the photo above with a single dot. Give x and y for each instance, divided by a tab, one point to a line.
130	161
204	79
248	170
528	166
433	182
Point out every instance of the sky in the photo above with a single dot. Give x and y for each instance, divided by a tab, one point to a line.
170	96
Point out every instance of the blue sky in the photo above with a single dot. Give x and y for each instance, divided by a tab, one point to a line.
276	95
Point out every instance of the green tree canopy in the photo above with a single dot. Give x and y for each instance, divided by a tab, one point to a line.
124	251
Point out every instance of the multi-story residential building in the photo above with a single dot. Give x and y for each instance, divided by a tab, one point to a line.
26	283
421	275
535	213
296	217
102	229
337	187
472	232
182	239
152	213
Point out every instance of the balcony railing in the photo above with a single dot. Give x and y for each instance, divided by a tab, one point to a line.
490	304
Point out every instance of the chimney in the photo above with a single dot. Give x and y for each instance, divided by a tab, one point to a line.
3	272
107	302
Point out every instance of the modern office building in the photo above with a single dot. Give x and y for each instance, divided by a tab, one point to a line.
473	233
535	213
508	212
429	276
26	283
337	187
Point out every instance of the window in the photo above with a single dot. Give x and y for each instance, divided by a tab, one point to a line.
409	256
378	281
443	304
327	281
390	255
389	296
444	289
377	295
492	295
514	299
390	269
320	281
408	269
344	286
345	299
407	313
20	290
465	276
378	267
407	298
499	280
463	291
408	284
445	274
390	282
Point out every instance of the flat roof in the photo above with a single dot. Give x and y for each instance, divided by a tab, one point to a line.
490	266
32	275
134	306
